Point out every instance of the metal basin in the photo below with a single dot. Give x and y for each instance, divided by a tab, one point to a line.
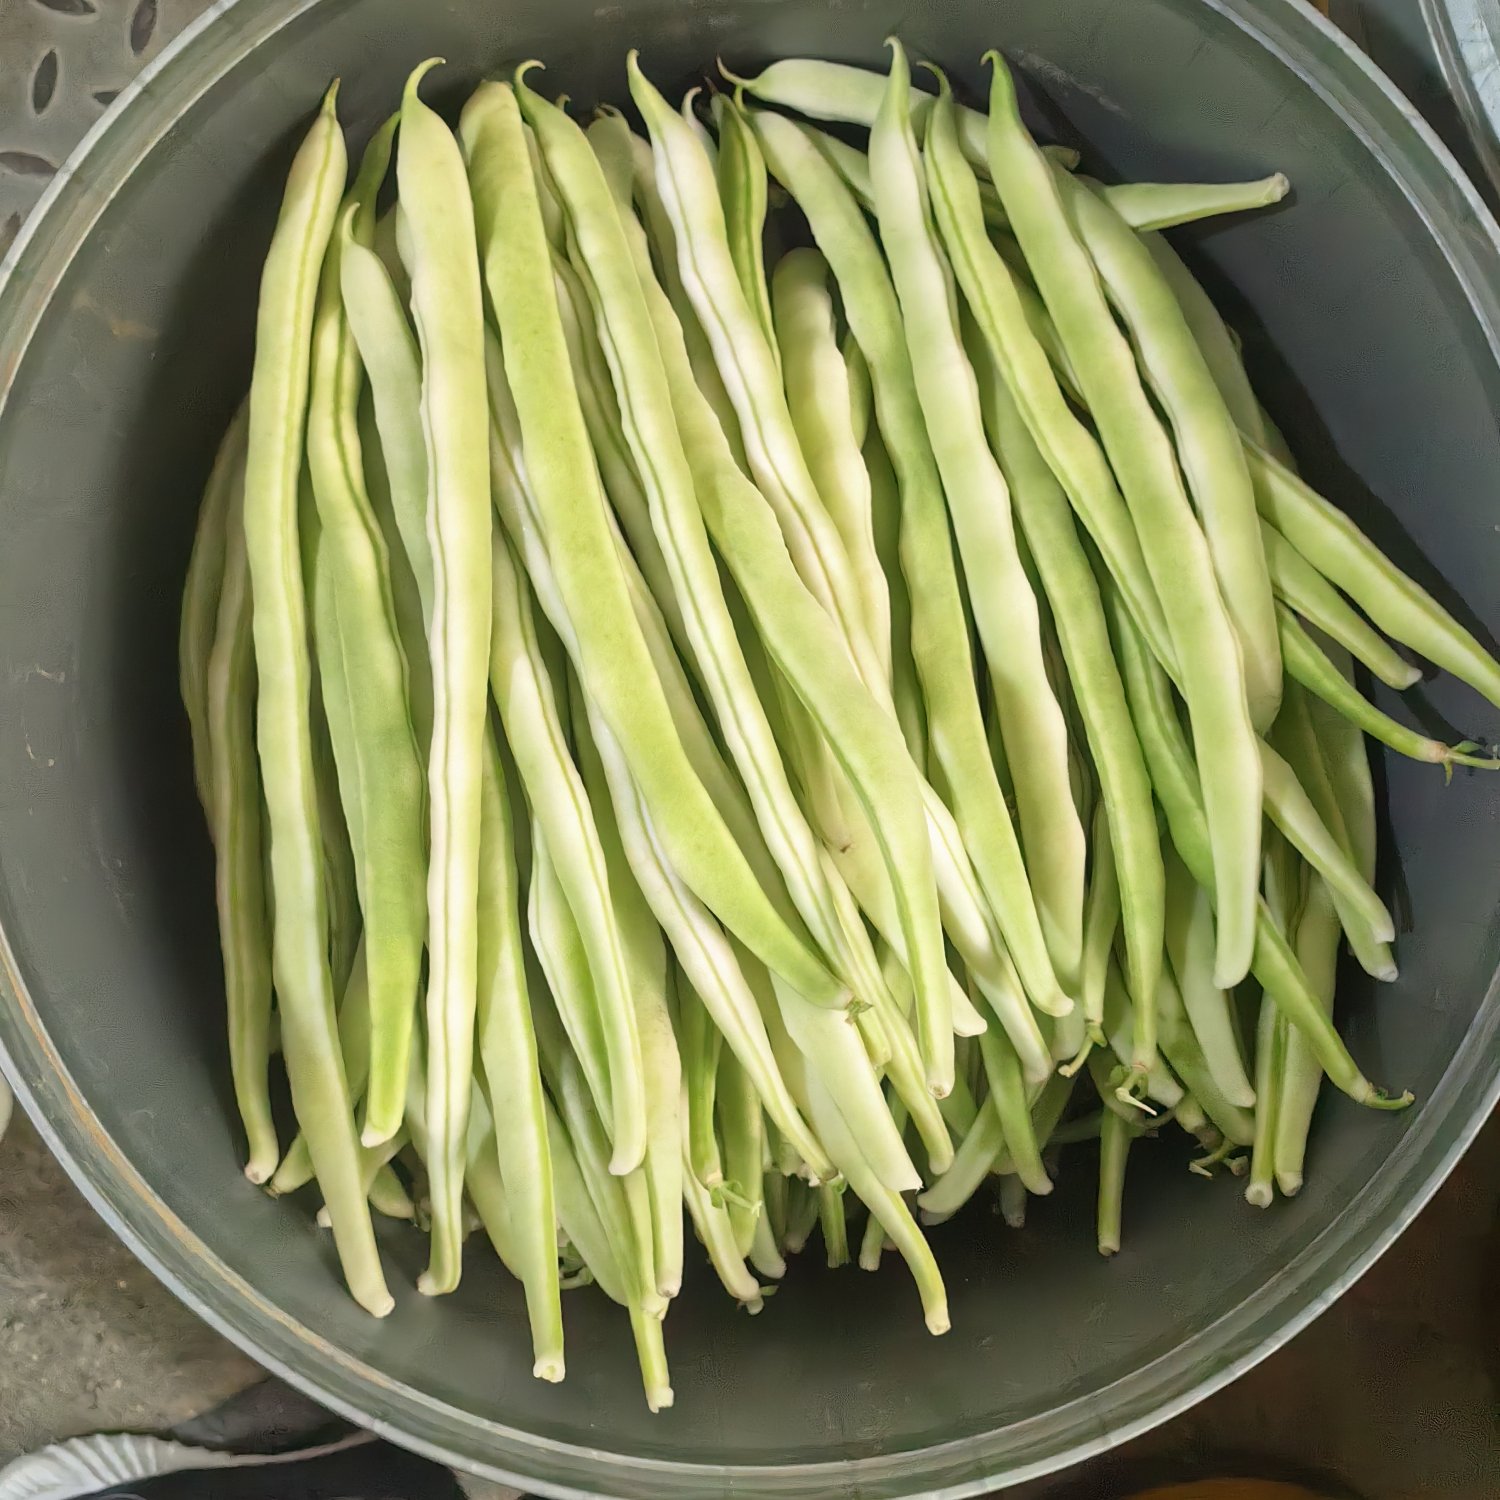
1370	306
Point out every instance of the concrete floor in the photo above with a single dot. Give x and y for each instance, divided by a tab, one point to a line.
1394	1394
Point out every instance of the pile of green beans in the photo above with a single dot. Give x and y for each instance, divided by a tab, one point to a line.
778	719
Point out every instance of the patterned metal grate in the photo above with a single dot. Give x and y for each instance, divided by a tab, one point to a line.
61	64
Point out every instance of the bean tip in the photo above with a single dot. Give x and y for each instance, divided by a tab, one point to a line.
418	73
518	78
1259	1194
740	83
549	1367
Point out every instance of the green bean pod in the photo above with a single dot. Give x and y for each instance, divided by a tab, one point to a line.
1177	554
380	772
1190	949
447	305
611	654
585	1229
700	1043
507	1052
705	953
1013	1106
304	984
848	95
561	810
1301	734
1293	812
822	401
1078	616
1344	555
231	779
979	506
1175	779
647	963
743	353
742	1139
741	173
1208	443
885	1204
1309	664
1147	206
1214	339
1305	590
939	632
200	594
505	1041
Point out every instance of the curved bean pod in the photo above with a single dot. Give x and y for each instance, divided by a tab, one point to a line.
1147	206
1190	948
706	955
1177	555
563	816
979	506
821	397
939	634
1175	779
1298	735
684	179
200	594
304	984
607	643
1208	443
1078	616
1307	662
1344	555
231	778
379	765
1312	596
741	173
447	305
1294	813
